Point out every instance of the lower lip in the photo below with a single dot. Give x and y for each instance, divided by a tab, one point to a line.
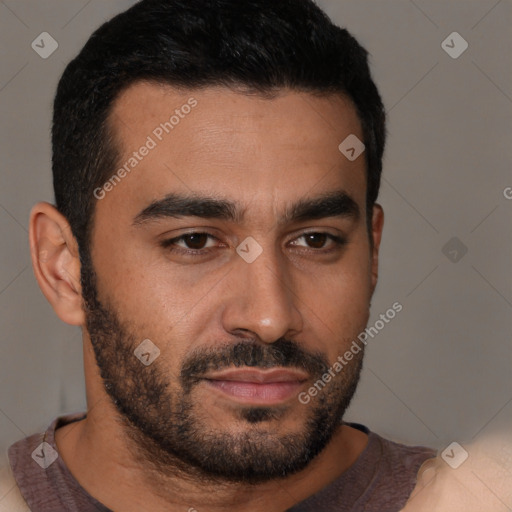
257	393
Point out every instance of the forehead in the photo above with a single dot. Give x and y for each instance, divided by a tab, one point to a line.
225	143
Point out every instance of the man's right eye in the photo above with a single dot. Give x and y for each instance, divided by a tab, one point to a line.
190	243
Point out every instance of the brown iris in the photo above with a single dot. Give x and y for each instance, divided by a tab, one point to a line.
316	240
196	240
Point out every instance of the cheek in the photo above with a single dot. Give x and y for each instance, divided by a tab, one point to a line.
140	282
162	305
337	302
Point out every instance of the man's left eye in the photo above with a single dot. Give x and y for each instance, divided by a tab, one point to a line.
318	240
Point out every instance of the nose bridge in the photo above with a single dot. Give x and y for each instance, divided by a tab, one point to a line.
267	278
264	302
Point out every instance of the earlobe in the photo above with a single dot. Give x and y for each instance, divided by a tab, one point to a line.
377	226
56	262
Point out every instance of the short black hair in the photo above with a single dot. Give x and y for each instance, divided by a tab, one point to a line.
261	46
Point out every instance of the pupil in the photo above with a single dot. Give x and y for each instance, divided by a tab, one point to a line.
317	240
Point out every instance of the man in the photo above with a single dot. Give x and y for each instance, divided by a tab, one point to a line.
216	236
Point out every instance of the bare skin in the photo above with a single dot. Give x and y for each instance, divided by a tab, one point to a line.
264	155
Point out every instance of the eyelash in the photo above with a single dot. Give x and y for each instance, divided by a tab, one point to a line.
168	244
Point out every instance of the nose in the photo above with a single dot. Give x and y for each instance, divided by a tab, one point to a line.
262	302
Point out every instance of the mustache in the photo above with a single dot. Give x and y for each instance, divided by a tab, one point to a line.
281	353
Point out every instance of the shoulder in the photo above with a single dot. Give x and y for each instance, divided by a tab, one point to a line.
20	476
401	456
382	478
11	499
397	467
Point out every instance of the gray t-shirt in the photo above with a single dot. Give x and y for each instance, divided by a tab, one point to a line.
380	480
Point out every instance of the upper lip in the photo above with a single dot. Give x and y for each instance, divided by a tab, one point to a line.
259	376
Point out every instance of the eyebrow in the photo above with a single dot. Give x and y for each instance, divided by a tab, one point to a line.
333	204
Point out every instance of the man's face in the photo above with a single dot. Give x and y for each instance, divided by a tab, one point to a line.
249	295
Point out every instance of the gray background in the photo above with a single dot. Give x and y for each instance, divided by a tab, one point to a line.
441	370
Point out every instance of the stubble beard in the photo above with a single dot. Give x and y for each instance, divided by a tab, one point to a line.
174	435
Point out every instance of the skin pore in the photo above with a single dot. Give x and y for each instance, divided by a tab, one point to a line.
168	436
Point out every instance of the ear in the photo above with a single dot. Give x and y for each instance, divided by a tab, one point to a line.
377	225
56	262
